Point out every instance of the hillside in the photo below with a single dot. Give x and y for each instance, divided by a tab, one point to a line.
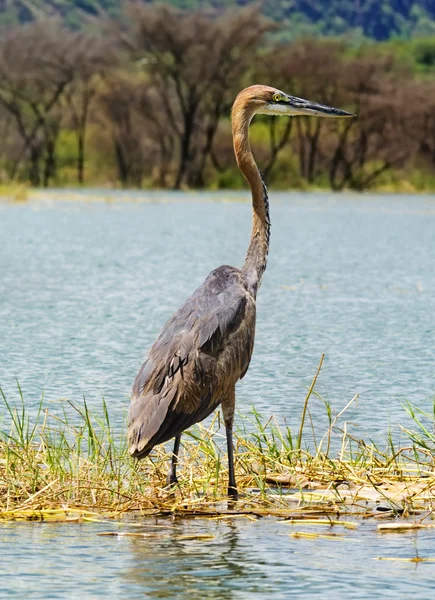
377	19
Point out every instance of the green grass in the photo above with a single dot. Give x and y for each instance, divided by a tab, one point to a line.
73	466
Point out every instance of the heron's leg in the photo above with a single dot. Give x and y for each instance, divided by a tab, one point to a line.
172	474
228	405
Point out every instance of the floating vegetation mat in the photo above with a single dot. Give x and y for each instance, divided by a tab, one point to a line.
72	467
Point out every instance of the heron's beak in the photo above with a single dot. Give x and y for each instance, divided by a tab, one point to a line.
299	106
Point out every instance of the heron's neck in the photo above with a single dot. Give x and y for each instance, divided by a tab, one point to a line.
256	257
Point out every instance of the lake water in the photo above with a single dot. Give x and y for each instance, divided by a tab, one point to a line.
85	287
244	560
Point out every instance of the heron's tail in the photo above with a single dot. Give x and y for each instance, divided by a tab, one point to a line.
146	416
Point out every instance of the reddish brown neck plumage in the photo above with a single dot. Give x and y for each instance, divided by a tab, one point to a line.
256	257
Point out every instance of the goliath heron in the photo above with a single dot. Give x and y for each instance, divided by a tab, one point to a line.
206	346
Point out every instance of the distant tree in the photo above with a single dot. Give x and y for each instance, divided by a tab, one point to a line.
162	137
420	123
91	59
193	61
362	150
34	74
159	93
49	75
119	102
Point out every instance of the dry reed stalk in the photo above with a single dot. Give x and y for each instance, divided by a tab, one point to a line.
49	466
313	536
397	527
414	559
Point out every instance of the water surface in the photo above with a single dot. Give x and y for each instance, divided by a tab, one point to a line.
84	290
86	287
243	560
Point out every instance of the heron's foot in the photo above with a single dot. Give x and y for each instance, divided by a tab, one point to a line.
232	493
171	479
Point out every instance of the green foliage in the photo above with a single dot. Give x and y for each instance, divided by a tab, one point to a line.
377	19
228	179
107	126
417	55
424	52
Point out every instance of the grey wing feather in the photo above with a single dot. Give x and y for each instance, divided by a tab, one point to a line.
178	384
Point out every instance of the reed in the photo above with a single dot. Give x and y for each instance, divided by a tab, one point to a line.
76	467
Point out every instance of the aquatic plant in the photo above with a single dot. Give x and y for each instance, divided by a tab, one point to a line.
74	466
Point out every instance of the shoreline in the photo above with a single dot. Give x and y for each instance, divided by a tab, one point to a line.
24	195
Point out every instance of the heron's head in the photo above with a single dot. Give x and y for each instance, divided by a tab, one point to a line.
266	100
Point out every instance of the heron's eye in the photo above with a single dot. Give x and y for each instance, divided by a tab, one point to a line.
277	97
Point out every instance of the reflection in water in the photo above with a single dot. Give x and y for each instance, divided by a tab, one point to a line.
192	568
246	559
